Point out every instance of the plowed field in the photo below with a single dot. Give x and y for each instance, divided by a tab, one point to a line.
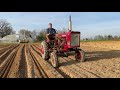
24	61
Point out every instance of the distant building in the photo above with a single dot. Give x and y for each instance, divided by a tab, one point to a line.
15	38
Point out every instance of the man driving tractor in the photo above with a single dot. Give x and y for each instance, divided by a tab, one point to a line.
51	34
61	44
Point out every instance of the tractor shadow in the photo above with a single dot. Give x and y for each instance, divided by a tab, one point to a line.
94	56
70	62
99	55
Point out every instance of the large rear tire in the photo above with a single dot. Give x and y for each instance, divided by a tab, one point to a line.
80	56
54	59
44	52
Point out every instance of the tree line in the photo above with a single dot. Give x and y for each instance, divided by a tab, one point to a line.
103	37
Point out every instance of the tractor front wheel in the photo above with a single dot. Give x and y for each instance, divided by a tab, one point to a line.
54	59
80	55
44	50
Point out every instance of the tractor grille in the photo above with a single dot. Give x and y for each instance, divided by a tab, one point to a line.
75	39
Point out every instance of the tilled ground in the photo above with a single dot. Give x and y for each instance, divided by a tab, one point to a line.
24	61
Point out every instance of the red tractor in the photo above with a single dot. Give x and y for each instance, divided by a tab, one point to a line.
49	50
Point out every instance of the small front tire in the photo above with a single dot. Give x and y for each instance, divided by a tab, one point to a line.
54	59
80	56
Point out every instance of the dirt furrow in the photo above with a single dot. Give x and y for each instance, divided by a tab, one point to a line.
49	70
103	68
7	63
38	71
14	71
91	67
23	65
4	55
5	48
80	70
68	70
30	65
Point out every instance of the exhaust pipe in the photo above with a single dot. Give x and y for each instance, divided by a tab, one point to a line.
70	24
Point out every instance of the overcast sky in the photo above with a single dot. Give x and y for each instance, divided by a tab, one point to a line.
88	23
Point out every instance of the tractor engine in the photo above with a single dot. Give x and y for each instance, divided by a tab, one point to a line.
72	39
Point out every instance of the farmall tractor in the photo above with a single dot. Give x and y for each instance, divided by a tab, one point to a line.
51	51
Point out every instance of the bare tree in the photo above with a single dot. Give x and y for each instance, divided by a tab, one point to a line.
34	34
25	32
28	33
5	28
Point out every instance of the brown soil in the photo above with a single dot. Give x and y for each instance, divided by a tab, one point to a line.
24	61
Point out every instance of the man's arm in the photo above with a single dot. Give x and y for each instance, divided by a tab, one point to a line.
56	31
47	31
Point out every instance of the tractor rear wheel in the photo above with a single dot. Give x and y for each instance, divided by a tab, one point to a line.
80	56
54	59
44	50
